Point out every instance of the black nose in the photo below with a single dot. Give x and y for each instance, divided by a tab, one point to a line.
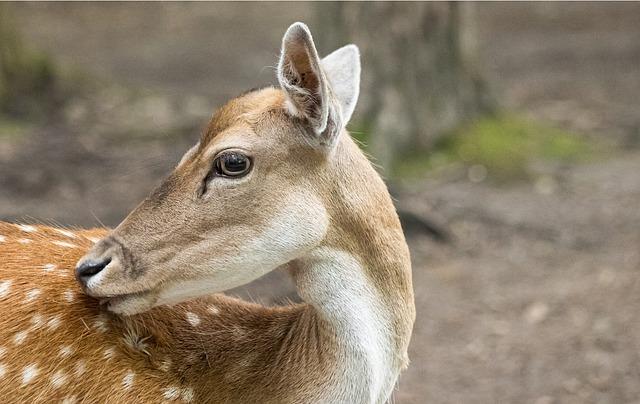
86	269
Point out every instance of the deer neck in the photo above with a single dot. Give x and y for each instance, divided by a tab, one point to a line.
358	284
353	316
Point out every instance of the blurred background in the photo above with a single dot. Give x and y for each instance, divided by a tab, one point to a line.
509	135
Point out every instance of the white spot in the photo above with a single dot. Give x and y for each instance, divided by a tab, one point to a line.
27	228
4	288
3	370
48	267
213	309
193	319
171	393
187	394
24	240
64	244
2	238
19	337
80	367
65	351
127	380
68	295
54	322
100	323
69	400
58	379
37	320
32	295
92	239
66	233
29	373
109	353
3	351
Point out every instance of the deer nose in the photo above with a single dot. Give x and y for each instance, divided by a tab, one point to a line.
88	268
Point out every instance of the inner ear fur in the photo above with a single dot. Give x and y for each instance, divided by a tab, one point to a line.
301	76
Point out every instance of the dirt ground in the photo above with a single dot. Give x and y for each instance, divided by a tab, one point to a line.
537	297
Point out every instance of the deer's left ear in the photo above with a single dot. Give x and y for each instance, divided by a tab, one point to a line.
322	92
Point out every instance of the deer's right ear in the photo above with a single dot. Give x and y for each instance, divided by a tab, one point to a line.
308	91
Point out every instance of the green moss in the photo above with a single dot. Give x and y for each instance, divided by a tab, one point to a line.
27	76
505	145
13	129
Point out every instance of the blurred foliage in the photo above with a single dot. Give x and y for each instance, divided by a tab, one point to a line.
504	145
27	77
12	128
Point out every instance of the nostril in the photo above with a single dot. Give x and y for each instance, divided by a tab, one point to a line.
88	268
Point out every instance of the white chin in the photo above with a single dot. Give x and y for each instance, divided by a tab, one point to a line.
131	304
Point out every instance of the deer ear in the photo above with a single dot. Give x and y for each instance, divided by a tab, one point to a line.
342	67
309	93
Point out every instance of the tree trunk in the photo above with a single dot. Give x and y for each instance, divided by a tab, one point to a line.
26	77
420	76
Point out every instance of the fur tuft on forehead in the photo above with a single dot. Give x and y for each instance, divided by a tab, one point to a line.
248	104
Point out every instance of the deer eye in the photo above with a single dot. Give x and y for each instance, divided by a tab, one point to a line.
231	164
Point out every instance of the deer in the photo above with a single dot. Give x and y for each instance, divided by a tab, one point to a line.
138	313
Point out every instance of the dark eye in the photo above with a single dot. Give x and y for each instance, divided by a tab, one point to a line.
232	164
